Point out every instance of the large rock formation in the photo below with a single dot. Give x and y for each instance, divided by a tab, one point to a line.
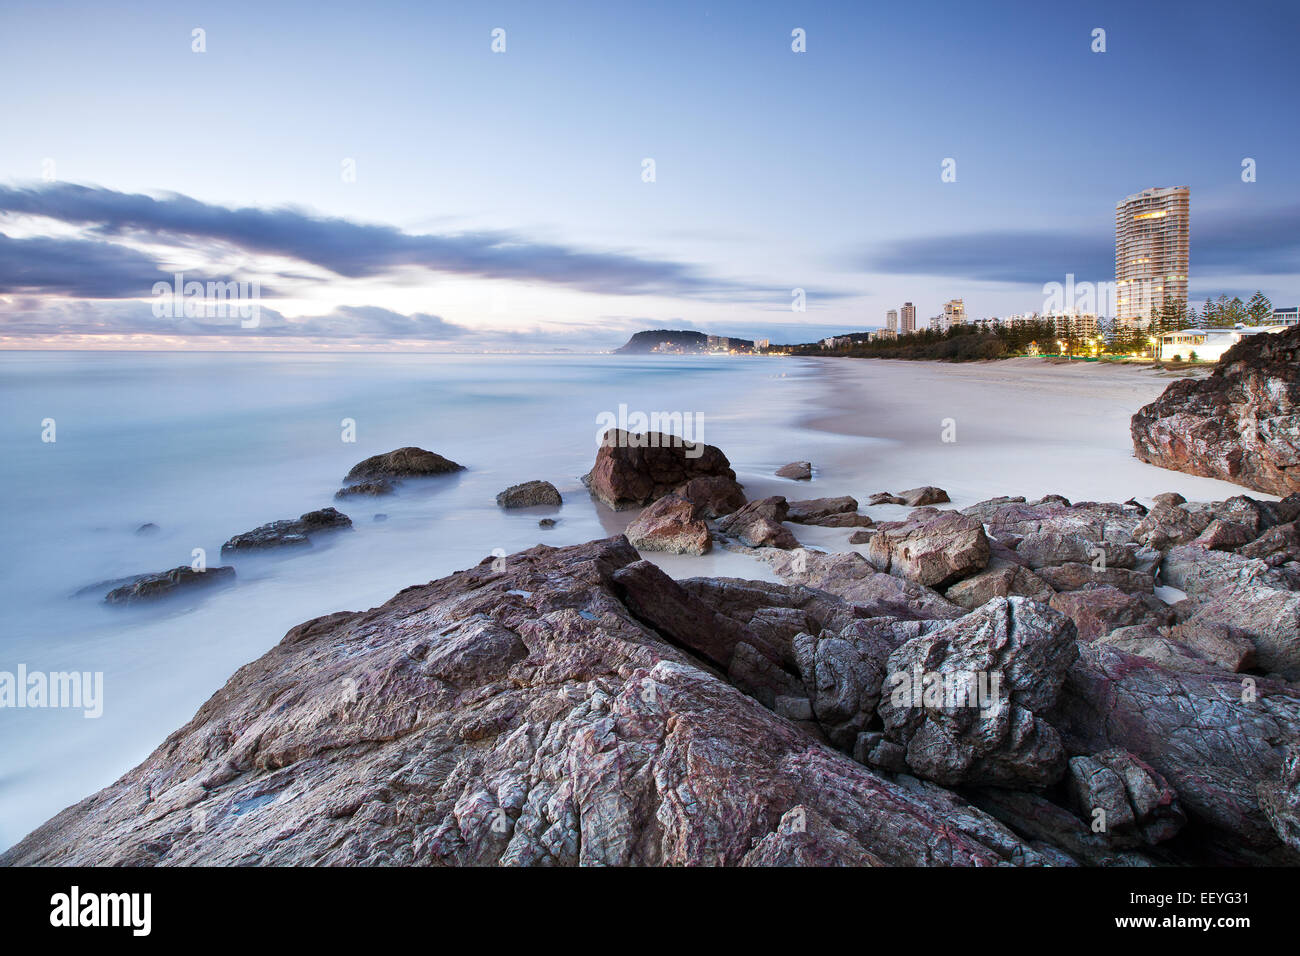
513	717
1241	424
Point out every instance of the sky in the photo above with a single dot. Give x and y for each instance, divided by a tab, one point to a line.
381	177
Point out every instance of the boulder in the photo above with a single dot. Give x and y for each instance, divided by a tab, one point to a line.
529	494
1096	610
1240	424
965	700
885	498
758	524
289	532
671	524
1124	798
1046	549
1220	535
1169	499
635	468
1151	642
1098	522
842	674
1276	545
716	495
932	548
1165	527
152	587
1216	641
408	462
796	470
925	495
1002	578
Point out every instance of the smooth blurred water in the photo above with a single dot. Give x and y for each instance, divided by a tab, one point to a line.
211	444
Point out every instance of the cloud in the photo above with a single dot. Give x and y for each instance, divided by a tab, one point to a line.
357	250
32	317
1229	243
82	268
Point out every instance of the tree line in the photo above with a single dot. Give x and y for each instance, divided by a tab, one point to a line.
973	341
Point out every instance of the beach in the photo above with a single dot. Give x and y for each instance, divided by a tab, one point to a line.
1017	427
208	446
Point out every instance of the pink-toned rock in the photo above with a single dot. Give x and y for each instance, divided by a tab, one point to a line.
517	717
796	470
933	548
671	524
1241	424
634	468
758	524
716	495
1098	610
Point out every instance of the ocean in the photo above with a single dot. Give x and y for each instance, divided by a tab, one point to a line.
207	445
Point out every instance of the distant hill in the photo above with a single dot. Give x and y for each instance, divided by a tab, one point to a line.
681	341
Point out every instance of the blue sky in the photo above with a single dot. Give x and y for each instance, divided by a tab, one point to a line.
500	196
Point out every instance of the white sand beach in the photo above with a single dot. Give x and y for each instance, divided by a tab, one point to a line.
1021	427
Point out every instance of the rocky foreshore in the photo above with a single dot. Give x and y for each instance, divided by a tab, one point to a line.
1016	682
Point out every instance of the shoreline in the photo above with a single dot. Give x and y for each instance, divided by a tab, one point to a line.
1018	426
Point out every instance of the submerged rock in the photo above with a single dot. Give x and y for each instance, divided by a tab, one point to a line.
796	470
529	494
370	489
289	532
925	495
152	587
380	474
408	462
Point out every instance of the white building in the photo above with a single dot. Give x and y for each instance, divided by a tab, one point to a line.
1289	316
1208	345
891	320
954	313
